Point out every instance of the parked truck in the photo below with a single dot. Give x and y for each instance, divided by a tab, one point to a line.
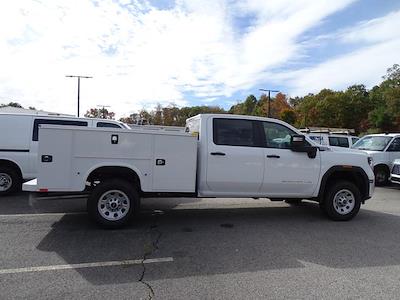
218	156
384	149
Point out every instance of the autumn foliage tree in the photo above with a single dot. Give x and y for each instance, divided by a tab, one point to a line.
100	113
374	110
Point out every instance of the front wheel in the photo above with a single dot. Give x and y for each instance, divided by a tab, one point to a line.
112	203
342	201
381	176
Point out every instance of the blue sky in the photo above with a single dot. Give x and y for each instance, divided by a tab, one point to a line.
189	52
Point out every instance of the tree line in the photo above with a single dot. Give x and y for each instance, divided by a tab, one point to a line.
366	111
359	108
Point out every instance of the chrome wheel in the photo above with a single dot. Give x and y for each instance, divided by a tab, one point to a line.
113	205
5	182
344	202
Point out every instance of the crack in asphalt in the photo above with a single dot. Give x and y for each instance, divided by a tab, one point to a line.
149	249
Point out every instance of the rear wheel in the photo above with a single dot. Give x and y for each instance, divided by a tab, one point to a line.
342	201
381	176
113	203
10	181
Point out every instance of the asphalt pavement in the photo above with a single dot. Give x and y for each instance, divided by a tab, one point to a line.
181	248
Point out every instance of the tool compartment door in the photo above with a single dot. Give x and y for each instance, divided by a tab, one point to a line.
54	158
174	165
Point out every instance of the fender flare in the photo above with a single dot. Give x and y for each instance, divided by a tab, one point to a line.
350	169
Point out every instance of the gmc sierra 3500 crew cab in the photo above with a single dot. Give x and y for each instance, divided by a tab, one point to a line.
217	156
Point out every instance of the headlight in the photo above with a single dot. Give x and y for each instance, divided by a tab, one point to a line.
371	162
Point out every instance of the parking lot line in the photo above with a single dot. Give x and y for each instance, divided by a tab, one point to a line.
43	214
87	265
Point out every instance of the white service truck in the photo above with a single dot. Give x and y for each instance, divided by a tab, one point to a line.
218	156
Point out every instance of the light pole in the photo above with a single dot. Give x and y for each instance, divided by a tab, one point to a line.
79	85
269	99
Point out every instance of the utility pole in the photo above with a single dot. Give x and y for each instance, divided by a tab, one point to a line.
103	109
269	99
79	85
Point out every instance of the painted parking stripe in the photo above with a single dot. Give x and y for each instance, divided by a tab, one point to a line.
87	265
43	214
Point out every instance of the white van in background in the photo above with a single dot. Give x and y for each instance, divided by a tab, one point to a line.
19	135
337	140
337	137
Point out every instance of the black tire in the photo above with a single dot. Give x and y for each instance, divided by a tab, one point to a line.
120	189
381	176
322	207
348	211
9	173
293	201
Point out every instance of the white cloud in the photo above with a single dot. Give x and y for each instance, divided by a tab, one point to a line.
375	30
364	66
140	55
379	48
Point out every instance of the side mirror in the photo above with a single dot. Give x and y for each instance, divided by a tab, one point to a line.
297	141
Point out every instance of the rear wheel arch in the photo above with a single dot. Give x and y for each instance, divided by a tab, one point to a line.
105	173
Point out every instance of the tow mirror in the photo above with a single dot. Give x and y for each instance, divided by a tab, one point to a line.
297	141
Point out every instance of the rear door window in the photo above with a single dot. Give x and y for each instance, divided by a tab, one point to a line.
108	125
234	132
37	122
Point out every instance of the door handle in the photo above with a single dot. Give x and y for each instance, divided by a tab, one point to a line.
273	156
218	153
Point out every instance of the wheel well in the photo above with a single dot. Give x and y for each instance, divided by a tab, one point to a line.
382	166
104	173
354	177
12	165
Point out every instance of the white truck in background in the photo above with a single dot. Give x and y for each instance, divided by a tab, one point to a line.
219	156
384	149
19	135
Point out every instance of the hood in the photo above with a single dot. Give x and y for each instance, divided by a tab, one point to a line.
343	149
371	152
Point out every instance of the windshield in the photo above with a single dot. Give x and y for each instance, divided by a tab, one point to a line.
373	143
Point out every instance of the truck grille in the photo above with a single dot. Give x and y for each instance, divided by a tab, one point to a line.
396	170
